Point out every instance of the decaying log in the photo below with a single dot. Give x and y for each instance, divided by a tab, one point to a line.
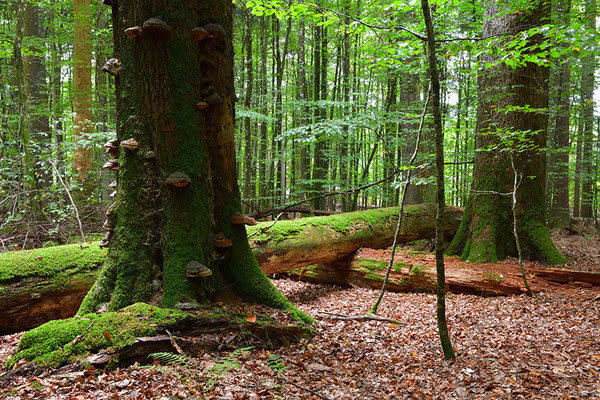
480	279
320	240
45	284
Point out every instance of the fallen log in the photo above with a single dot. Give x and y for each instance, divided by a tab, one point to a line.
412	273
45	284
320	240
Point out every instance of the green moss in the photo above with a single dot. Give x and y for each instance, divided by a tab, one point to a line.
352	223
51	344
373	265
399	265
418	270
374	277
493	277
51	261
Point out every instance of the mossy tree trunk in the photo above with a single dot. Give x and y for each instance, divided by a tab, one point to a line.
175	98
485	233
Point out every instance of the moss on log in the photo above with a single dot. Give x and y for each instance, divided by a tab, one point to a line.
45	284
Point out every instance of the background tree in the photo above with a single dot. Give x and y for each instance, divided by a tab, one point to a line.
512	111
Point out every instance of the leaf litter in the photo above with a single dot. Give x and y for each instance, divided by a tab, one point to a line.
513	347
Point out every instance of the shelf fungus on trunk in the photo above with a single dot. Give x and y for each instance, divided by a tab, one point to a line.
196	270
111	164
157	27
222	241
134	32
215	32
113	194
199	33
112	185
105	241
242	220
112	147
108	226
112	66
150	155
129	144
178	179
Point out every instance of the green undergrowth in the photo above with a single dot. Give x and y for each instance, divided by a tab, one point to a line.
62	341
50	261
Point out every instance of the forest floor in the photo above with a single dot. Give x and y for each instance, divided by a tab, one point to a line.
513	347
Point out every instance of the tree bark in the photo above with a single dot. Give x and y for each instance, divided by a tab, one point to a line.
485	233
177	189
82	90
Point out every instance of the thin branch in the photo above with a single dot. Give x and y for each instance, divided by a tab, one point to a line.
72	202
367	317
402	202
314	393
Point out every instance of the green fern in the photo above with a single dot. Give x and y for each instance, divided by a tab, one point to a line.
170	359
275	363
224	365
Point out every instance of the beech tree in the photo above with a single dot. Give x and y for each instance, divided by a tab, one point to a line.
177	192
512	112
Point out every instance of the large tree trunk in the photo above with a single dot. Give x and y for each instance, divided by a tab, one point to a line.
486	231
177	186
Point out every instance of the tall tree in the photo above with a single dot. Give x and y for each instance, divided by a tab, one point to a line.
36	135
507	94
82	89
588	68
177	185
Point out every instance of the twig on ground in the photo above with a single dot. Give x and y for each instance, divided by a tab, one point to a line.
174	343
359	317
314	393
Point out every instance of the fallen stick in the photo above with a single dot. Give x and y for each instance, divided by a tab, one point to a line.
367	317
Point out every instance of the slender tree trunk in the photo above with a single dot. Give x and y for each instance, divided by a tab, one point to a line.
37	127
587	95
82	92
559	159
249	147
441	200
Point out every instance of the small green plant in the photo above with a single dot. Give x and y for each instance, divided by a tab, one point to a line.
493	276
417	270
224	365
275	363
170	359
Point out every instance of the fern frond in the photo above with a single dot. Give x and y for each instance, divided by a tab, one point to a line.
170	358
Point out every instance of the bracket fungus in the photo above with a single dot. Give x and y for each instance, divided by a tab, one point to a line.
196	270
105	240
178	179
150	155
111	164
222	241
112	66
113	194
129	144
215	31
157	28
112	185
242	220
134	32
108	226
199	33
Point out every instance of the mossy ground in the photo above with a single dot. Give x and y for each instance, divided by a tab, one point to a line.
51	344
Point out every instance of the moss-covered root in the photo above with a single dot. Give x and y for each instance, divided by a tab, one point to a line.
540	245
63	341
250	282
